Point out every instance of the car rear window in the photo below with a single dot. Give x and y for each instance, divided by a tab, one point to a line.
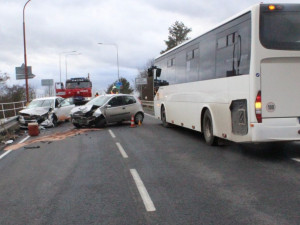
129	100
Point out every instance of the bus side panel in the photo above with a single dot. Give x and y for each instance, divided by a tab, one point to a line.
183	111
184	102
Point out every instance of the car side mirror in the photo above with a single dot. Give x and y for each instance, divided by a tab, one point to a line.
108	106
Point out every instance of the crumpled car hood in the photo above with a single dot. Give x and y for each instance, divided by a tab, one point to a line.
39	111
82	108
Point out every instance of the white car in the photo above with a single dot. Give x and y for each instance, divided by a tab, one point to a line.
46	112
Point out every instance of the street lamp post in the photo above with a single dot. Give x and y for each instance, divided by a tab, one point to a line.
60	63
25	57
66	57
117	56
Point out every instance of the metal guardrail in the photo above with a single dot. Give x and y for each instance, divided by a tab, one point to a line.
8	114
5	124
10	109
149	104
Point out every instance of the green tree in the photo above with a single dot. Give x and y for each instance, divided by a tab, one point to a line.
177	34
125	89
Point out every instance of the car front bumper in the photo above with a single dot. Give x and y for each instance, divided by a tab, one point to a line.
83	121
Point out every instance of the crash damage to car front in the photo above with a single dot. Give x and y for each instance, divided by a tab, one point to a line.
85	115
42	116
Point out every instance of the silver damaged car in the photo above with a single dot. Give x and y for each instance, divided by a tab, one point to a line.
107	109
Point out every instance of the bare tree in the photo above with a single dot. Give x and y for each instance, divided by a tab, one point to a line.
15	93
4	77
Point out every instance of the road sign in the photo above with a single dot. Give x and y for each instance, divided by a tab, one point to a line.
140	81
119	84
47	82
20	72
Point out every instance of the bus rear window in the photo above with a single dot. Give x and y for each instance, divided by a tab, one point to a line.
279	28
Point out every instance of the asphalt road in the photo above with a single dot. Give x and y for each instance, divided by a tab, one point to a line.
147	175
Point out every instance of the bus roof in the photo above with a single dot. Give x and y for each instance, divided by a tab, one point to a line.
211	29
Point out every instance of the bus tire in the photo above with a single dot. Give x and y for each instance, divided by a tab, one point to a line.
164	118
208	132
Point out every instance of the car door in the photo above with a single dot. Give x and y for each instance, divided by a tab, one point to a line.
129	106
114	110
63	109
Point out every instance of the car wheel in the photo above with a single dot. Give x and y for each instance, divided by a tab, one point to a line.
139	117
100	122
54	120
208	131
76	125
164	118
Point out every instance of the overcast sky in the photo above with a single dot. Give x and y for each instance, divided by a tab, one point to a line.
138	27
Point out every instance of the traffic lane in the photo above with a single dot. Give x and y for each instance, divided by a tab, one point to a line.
192	183
79	180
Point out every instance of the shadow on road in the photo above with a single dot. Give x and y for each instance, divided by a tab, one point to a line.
276	151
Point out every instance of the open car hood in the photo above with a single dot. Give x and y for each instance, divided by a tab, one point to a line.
39	111
82	108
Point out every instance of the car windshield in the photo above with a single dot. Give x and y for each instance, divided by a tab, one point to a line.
40	103
81	84
98	101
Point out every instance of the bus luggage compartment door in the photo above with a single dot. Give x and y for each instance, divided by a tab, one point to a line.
280	79
239	118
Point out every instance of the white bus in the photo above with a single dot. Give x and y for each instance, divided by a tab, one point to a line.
239	81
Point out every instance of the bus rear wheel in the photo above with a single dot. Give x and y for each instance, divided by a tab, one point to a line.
164	118
208	131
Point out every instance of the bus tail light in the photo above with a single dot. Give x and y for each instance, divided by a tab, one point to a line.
272	7
258	107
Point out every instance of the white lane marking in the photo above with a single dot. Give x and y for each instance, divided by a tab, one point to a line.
6	153
112	134
122	151
9	151
24	139
295	159
150	115
143	191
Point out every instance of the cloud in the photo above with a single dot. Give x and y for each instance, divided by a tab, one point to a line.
138	27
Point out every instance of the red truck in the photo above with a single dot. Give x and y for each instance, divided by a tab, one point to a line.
80	89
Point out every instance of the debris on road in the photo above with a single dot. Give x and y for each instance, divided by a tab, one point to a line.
33	129
58	136
9	142
42	128
31	147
